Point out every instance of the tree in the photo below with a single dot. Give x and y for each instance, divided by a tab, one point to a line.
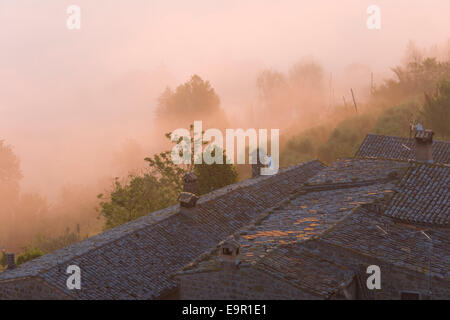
307	75
435	113
10	174
160	186
346	138
195	99
28	254
31	215
274	95
3	261
140	196
215	176
396	120
271	83
306	80
413	80
413	54
210	176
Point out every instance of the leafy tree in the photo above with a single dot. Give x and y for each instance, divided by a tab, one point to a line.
195	99
194	96
29	254
215	176
271	83
10	174
395	121
306	79
43	245
306	75
274	94
346	138
284	99
303	147
413	80
435	113
128	201
3	259
47	244
160	186
297	149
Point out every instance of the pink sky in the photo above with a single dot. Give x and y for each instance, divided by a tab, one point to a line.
63	93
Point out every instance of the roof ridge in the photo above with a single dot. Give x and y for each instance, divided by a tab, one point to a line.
307	188
398	137
116	234
413	161
381	258
207	197
361	144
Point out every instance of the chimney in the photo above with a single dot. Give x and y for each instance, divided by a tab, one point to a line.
10	261
229	253
256	167
424	145
187	202
190	183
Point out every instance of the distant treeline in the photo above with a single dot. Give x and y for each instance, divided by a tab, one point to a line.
420	92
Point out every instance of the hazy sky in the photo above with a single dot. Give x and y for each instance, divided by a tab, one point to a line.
64	93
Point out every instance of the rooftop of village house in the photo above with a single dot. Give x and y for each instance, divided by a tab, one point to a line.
390	147
331	210
270	215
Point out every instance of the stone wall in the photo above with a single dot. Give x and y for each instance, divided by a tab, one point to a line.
249	283
394	279
29	289
244	283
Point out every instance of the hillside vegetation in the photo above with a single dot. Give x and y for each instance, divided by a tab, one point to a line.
419	93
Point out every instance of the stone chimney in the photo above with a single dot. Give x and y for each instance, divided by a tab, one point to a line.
229	253
424	145
10	261
256	167
190	183
187	202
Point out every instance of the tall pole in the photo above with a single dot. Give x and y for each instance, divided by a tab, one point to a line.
430	248
371	83
354	101
331	88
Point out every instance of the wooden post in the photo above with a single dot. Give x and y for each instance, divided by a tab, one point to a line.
354	101
371	83
330	102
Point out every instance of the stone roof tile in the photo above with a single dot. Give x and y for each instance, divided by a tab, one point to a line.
391	147
136	260
423	196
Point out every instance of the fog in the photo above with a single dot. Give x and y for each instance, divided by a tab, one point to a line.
70	99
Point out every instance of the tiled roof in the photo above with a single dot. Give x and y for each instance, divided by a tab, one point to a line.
378	146
306	216
375	235
306	269
271	243
354	169
423	195
135	260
